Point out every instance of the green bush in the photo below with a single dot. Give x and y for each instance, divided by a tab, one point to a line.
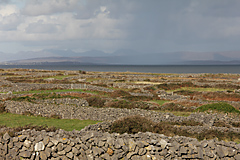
219	107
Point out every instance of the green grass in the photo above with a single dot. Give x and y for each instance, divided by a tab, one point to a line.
16	120
159	102
199	89
59	77
219	107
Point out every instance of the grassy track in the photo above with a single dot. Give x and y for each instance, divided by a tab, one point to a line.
16	120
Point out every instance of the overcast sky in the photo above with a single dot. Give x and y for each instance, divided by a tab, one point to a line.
109	25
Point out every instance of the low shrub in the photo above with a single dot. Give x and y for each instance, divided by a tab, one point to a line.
219	107
135	124
221	124
2	108
27	113
55	116
130	105
175	107
82	72
132	125
24	98
173	86
187	123
119	93
235	124
120	104
96	101
138	98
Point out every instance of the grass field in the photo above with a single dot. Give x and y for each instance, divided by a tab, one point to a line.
16	120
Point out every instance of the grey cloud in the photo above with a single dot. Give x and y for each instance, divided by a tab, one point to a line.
10	22
220	8
5	1
46	7
117	9
156	25
40	27
166	25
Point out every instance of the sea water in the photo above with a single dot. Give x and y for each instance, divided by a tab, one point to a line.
138	68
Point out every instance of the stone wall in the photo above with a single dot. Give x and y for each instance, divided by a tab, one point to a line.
85	145
74	109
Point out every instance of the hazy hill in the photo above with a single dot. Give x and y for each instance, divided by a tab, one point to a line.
123	56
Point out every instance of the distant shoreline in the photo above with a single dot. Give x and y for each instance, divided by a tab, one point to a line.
234	69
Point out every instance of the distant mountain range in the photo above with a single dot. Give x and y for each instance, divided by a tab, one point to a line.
123	56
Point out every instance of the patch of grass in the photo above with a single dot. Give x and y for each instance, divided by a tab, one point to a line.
147	82
93	79
24	98
218	96
199	89
219	107
16	120
60	77
159	102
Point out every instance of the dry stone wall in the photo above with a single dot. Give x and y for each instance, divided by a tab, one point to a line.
79	109
85	145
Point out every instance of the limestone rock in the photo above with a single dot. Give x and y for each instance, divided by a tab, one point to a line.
6	136
25	154
39	146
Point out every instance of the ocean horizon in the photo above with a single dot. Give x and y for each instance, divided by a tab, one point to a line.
137	68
